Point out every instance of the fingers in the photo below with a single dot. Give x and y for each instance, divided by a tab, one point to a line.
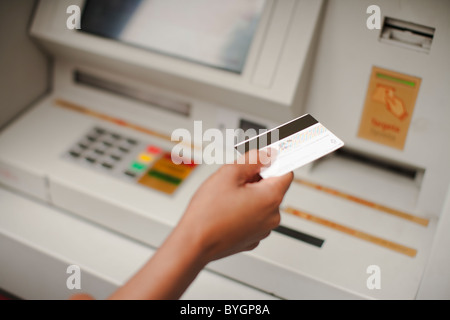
279	185
252	246
266	235
256	243
271	190
249	165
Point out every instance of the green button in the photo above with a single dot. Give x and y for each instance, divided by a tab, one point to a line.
165	177
138	166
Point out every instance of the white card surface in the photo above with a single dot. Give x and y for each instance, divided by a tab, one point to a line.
297	142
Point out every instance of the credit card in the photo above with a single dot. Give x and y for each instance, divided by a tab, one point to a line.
297	142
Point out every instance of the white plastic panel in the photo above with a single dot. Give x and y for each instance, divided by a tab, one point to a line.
39	243
282	63
347	52
337	270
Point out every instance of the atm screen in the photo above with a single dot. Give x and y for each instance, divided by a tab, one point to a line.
215	33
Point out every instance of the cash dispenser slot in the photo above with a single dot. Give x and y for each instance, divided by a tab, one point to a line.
399	169
370	177
150	98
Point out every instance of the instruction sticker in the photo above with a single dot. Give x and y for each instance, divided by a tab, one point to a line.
388	108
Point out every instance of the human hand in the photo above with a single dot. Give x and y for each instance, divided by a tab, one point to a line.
235	209
231	212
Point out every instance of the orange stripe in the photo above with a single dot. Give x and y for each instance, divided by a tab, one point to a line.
77	108
394	212
355	233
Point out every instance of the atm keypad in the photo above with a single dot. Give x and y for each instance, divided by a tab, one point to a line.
130	159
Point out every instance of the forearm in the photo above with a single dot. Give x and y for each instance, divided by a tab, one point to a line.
231	212
169	272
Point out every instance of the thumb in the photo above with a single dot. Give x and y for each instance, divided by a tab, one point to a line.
279	184
250	164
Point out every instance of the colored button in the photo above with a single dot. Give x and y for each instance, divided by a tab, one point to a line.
145	158
165	177
154	150
168	167
138	166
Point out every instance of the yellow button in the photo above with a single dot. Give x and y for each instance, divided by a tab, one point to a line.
145	158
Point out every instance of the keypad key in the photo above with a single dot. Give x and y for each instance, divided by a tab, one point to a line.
137	166
99	152
107	165
132	141
75	154
145	158
91	159
130	173
99	130
115	157
107	144
91	138
83	145
153	149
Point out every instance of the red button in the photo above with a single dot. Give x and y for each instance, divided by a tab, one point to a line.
153	149
191	165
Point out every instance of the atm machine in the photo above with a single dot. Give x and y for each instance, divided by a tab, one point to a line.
93	156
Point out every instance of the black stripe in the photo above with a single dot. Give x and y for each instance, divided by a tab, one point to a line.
284	131
425	34
300	236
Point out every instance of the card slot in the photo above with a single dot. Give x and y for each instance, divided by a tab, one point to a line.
301	236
